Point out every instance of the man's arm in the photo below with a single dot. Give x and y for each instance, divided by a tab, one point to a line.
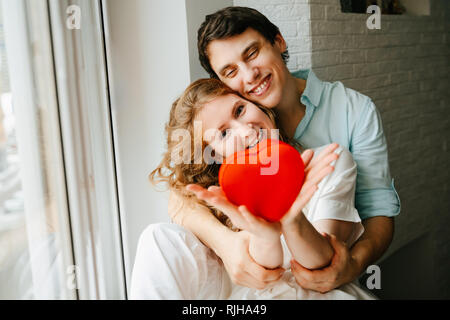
347	265
375	240
376	201
199	220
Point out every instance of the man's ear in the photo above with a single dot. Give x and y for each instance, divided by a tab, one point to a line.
280	43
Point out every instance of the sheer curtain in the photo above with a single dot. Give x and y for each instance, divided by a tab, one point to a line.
35	249
60	233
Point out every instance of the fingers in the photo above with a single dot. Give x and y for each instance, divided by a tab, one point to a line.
264	276
212	190
302	274
251	218
200	192
307	156
329	150
299	268
220	202
247	215
340	249
316	178
247	280
309	279
194	188
256	276
319	165
216	190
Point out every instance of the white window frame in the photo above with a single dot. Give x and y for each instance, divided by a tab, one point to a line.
83	97
73	86
24	30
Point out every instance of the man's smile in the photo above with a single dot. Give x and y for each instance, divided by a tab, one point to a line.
262	87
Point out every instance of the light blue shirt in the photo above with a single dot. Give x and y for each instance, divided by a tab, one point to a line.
338	114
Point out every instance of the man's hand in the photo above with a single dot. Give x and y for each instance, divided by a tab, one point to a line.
342	269
241	267
346	266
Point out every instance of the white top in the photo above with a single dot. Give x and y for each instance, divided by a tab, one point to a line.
335	197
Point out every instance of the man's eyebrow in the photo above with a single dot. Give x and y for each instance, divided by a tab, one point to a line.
244	53
249	47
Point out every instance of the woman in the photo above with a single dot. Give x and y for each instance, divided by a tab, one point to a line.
229	124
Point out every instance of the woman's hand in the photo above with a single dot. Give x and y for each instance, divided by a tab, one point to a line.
241	267
239	216
315	170
340	271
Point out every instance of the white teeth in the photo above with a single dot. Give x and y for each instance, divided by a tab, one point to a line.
258	139
261	87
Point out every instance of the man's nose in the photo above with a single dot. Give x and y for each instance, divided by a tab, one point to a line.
251	73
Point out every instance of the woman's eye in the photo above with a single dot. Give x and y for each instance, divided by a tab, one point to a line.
224	133
239	110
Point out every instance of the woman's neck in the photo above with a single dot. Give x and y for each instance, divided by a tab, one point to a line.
290	110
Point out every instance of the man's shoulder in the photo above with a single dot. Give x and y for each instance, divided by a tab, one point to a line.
331	92
337	95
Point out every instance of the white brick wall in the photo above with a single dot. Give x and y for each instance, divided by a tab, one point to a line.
292	18
404	68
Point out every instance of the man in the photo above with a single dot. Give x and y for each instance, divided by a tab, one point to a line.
242	48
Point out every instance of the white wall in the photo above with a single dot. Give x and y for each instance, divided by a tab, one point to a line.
152	57
196	10
148	68
293	20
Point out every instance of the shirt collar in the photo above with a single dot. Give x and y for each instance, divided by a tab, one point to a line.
314	87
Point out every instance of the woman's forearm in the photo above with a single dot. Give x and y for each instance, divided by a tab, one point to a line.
266	252
199	220
308	247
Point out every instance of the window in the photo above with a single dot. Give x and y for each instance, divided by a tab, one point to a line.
60	233
35	244
409	7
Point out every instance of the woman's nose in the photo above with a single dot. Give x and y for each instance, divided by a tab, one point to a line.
245	130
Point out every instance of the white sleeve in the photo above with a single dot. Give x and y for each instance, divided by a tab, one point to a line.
335	197
171	263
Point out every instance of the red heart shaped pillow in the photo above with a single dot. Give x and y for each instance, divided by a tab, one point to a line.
266	178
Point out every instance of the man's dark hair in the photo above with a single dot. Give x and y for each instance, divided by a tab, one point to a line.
229	22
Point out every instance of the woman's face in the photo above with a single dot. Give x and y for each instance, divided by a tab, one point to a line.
232	124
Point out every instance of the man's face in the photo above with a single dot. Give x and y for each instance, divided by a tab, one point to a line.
251	65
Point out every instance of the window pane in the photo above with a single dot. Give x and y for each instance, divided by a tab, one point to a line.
35	250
